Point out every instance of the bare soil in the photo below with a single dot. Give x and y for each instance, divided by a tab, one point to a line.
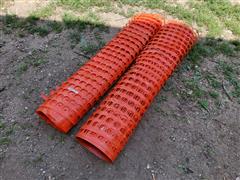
175	139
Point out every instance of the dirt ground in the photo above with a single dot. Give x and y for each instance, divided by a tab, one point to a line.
175	139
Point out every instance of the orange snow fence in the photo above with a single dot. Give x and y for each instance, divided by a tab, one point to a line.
69	102
107	131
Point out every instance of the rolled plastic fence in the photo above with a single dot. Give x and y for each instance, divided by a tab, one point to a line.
107	131
69	102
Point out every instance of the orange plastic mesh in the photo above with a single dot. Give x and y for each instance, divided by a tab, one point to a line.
69	102
107	131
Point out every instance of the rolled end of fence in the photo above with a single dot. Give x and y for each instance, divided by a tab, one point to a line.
55	119
107	131
67	104
92	144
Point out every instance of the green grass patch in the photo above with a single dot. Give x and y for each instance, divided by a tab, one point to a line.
227	12
55	26
89	47
2	125
231	74
215	15
33	60
81	22
38	62
31	20
83	4
210	47
182	168
197	91
40	30
75	38
29	25
193	85
214	94
212	80
5	141
204	17
203	104
45	11
23	67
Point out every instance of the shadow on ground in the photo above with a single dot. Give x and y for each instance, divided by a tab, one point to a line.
176	139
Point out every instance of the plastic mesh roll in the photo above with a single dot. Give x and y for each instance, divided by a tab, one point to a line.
107	131
69	102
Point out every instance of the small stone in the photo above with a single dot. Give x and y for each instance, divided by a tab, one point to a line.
148	166
190	92
27	138
238	178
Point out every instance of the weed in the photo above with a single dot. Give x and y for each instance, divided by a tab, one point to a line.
99	39
196	53
33	60
236	45
231	75
211	47
208	151
23	67
62	139
29	24
21	34
40	30
31	20
72	21
226	49
193	85
212	80
55	26
5	141
197	92
214	94
88	47
90	19
203	104
10	129
2	125
51	137
38	61
11	19
12	22
184	169
75	37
